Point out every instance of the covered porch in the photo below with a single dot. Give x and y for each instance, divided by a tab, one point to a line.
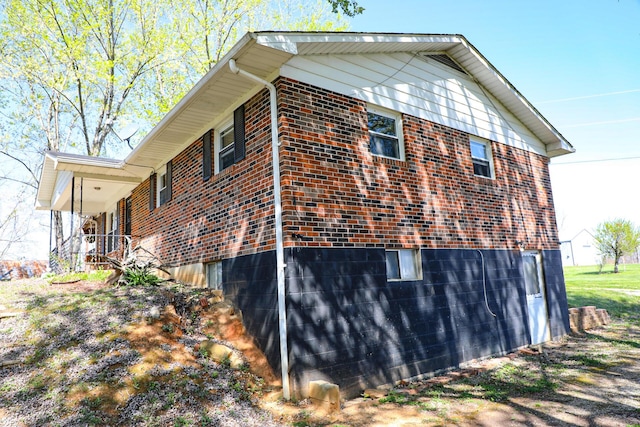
90	192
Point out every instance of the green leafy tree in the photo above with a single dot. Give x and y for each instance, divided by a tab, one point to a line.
617	238
73	70
348	7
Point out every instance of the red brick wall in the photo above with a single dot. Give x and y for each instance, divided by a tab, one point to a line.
229	215
335	193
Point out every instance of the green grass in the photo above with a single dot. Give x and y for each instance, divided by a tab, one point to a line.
93	276
618	293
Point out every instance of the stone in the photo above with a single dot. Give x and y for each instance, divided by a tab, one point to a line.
374	393
221	353
325	396
154	312
171	315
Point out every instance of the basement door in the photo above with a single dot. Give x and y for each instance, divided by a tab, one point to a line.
536	301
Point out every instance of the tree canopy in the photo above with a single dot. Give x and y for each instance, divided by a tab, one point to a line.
617	238
74	71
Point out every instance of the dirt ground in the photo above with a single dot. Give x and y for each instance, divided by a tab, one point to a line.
594	381
585	380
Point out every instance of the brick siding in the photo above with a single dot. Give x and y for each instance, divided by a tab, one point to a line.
336	193
229	215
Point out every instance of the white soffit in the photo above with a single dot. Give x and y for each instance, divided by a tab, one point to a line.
263	53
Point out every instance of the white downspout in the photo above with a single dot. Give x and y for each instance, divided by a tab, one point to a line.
280	265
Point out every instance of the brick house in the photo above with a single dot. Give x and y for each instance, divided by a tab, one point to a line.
409	225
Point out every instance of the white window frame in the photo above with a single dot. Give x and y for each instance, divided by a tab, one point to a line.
214	275
226	126
488	160
162	172
397	117
409	264
113	224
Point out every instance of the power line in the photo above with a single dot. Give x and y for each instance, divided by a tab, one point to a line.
577	98
613	159
606	122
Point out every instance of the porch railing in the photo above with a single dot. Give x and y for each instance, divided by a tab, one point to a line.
84	252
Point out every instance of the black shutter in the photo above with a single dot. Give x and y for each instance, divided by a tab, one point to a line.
165	194
152	191
206	156
127	216
169	180
238	134
116	231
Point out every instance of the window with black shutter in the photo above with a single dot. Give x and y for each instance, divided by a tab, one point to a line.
231	141
163	184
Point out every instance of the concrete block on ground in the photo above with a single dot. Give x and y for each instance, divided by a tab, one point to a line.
375	393
585	318
221	354
325	396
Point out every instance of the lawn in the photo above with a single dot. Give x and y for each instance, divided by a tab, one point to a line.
618	293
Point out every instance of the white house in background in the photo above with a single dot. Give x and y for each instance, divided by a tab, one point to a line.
580	250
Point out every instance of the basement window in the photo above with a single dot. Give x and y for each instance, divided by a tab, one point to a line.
481	158
214	275
385	133
403	264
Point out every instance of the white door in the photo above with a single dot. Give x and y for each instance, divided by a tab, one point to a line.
536	301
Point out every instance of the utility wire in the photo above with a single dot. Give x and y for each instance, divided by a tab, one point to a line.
596	160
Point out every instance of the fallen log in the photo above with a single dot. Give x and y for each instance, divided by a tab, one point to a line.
8	363
9	314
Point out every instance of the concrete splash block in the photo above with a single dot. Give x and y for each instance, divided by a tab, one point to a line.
585	318
325	396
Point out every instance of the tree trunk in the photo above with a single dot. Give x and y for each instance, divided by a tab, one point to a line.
59	238
615	265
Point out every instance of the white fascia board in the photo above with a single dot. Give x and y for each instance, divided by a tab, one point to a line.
289	40
245	41
561	145
74	160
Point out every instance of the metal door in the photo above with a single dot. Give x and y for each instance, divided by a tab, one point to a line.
536	301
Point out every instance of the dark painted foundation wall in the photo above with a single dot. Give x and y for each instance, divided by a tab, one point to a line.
348	325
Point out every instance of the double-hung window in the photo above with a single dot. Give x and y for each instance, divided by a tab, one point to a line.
226	153
112	235
230	141
403	264
481	158
160	186
385	133
164	184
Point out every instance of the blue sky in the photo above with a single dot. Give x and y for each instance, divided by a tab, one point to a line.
577	62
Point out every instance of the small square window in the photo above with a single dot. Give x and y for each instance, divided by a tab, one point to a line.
214	275
403	264
385	134
481	158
